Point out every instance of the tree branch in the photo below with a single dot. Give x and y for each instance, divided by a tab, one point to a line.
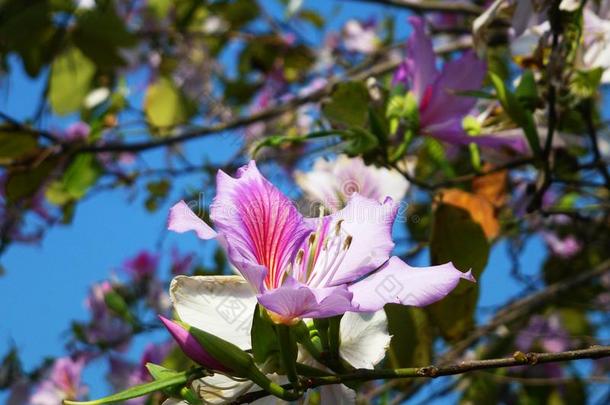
460	7
518	359
510	313
358	73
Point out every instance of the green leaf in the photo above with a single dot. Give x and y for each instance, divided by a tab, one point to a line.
158	191
264	338
359	141
527	92
457	238
16	145
585	83
82	173
10	367
164	104
481	390
100	34
24	183
159	8
517	112
143	389
433	153
575	321
403	108
26	28
348	105
237	13
312	17
56	193
70	80
412	336
116	303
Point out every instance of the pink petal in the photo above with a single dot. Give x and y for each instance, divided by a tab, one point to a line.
261	224
452	131
465	73
370	225
397	282
183	219
191	347
423	60
294	300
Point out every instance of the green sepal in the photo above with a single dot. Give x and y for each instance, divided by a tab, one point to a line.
239	362
263	336
517	112
288	352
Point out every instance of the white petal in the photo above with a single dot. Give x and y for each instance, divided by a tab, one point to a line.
220	389
569	5
174	401
364	338
221	305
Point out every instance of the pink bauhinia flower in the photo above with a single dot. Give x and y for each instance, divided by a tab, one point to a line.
441	108
142	266
361	37
63	382
313	267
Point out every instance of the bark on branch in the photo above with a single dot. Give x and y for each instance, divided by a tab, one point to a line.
518	359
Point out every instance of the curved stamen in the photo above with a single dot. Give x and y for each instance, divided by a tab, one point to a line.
331	242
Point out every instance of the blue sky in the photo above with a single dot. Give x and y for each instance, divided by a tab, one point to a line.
45	285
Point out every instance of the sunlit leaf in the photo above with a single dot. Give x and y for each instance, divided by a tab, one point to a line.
491	186
348	105
82	173
457	238
23	183
164	104
480	209
70	81
412	336
522	117
16	145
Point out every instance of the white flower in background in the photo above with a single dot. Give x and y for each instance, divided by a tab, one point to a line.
359	37
595	52
214	25
85	4
526	43
331	183
97	97
224	306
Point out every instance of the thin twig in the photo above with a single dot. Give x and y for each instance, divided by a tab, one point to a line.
511	312
461	7
358	73
518	359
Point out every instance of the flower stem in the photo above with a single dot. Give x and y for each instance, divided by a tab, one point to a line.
288	353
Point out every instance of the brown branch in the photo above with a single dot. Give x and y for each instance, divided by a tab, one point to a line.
518	359
358	73
510	313
461	7
18	127
465	178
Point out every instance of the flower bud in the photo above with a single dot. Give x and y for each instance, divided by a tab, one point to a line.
191	346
